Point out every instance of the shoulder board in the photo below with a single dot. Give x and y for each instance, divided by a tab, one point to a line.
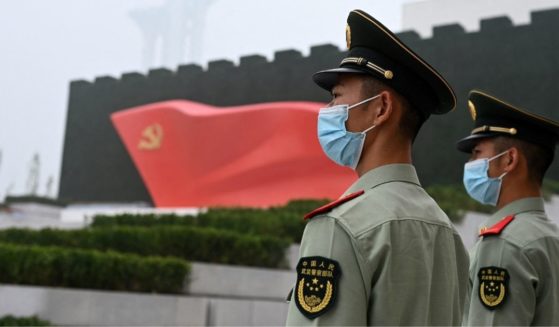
332	205
497	228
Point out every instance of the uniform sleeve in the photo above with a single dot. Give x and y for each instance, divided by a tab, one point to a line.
504	285
420	275
324	238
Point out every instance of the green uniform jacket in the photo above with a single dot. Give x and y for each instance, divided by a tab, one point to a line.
401	261
526	252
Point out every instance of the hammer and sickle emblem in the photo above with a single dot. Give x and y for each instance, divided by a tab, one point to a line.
152	137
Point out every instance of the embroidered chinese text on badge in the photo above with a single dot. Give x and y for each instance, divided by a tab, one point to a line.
493	286
317	283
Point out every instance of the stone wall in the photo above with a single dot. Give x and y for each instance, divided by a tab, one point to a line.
217	295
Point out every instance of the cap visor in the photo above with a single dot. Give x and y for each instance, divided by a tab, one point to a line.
327	79
468	143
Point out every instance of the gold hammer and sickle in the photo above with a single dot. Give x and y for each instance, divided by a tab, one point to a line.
152	137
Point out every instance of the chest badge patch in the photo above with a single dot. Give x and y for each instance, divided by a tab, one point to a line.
493	286
317	284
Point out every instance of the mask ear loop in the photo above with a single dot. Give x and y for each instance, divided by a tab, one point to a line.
360	103
497	156
364	101
503	175
368	129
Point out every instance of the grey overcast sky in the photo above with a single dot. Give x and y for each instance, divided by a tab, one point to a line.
47	43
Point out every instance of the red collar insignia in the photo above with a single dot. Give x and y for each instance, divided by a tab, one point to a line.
332	205
497	228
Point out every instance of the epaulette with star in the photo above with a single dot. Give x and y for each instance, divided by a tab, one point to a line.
497	228
328	207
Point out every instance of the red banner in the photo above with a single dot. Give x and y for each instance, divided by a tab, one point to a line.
195	155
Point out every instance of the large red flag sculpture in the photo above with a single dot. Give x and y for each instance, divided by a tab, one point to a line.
195	155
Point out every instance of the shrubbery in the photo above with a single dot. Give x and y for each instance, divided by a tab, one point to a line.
23	321
455	202
52	266
549	188
282	222
190	243
88	257
287	222
34	199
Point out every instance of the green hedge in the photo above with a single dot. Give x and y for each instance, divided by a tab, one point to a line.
454	201
190	243
549	188
286	222
58	267
283	222
23	321
34	199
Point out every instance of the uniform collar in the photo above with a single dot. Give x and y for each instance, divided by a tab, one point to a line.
516	207
385	174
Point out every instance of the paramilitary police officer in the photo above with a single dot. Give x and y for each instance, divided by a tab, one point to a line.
384	253
514	270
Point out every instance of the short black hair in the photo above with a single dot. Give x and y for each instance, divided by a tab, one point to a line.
411	120
538	157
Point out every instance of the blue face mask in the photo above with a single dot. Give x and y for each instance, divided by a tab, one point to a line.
341	146
479	185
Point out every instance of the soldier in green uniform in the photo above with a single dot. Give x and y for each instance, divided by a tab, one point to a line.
384	253
514	270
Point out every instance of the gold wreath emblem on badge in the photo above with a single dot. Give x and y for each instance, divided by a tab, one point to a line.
472	108
348	36
313	303
152	137
490	299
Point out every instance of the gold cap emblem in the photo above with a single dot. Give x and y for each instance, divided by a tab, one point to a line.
152	137
348	36
472	108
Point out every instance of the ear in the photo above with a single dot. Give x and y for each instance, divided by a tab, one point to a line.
511	159
383	108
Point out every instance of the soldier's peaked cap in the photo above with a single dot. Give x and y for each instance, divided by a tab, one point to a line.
494	117
375	50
